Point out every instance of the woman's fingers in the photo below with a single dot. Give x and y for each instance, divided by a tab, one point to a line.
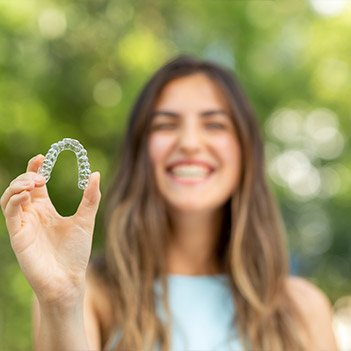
33	166
35	162
37	178
14	189
91	199
27	181
14	210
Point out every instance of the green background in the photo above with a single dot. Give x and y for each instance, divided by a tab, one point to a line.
74	68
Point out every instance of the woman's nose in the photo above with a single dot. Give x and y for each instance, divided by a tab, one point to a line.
190	137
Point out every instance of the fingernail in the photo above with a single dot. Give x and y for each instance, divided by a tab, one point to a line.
93	174
38	178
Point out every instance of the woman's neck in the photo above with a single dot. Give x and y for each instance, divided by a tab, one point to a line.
191	248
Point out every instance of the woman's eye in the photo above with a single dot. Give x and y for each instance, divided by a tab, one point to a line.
161	126
168	125
217	125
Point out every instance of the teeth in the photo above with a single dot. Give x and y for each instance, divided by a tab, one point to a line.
190	171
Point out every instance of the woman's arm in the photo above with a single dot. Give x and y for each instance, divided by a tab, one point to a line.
316	310
53	253
75	329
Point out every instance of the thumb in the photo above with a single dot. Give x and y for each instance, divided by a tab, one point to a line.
91	198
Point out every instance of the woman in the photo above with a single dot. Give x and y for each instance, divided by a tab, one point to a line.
195	253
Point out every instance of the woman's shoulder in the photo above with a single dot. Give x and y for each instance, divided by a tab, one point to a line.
303	291
315	308
302	287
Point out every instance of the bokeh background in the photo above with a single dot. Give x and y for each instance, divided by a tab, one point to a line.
74	68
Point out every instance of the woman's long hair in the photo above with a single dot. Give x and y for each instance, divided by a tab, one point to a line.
251	249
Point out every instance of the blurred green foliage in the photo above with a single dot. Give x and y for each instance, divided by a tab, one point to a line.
74	68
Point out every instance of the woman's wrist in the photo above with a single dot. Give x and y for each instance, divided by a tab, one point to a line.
62	328
64	296
68	304
68	309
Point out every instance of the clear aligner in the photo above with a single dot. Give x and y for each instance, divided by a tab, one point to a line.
82	159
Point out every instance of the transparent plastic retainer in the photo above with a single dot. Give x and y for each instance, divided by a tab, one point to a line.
82	159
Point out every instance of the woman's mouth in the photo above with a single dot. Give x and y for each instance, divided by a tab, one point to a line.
189	174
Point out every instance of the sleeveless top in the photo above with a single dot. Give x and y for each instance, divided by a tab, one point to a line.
202	313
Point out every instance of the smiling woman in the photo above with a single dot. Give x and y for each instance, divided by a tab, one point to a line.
190	213
195	253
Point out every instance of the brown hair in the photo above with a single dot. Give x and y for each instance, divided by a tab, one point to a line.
251	248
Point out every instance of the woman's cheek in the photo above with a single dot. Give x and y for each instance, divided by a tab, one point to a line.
228	147
159	146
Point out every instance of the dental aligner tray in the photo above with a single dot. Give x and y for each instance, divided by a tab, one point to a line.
82	159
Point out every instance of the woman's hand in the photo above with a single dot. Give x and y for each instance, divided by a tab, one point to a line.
52	251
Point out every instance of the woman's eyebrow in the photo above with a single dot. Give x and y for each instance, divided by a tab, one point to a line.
204	114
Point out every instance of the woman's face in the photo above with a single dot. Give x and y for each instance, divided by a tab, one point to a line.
191	126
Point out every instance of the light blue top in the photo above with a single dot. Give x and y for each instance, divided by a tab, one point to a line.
202	311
